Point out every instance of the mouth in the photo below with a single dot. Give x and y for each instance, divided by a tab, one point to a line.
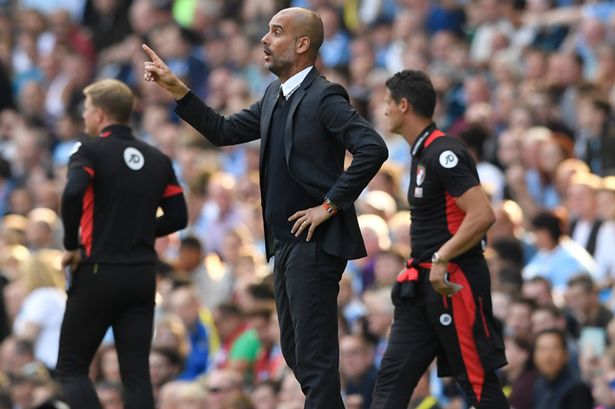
267	54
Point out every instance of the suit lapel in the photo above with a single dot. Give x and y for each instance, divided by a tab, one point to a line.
296	99
269	102
288	129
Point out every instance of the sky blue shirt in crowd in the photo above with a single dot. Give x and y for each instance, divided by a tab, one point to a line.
562	263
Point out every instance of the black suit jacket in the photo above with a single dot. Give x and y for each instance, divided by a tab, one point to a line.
321	125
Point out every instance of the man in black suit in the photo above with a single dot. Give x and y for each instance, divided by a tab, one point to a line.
306	124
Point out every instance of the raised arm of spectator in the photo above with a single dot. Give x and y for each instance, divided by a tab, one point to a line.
557	16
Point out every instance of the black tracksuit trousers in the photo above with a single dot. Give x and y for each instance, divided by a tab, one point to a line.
460	330
101	296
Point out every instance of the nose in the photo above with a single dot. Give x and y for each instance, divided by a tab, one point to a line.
265	38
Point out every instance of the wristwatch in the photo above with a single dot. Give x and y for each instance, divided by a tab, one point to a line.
436	259
330	207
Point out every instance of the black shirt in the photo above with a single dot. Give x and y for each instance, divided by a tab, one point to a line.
442	170
115	186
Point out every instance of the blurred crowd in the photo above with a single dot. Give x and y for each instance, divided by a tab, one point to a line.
528	85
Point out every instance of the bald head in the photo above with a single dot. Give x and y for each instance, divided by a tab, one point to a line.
306	23
292	42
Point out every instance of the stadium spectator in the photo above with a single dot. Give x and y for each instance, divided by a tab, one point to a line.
378	319
518	321
40	316
583	301
222	387
110	395
519	374
557	386
265	395
558	258
357	369
165	365
269	364
185	303
587	229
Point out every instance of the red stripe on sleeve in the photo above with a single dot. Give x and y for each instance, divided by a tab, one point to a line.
89	170
87	219
464	313
172	190
454	215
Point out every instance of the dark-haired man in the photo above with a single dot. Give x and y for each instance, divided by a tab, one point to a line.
558	258
443	298
165	364
558	386
595	141
583	300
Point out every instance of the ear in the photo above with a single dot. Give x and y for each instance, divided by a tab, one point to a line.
100	115
302	45
404	106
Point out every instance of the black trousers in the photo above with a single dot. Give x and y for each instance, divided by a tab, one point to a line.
121	297
461	331
306	287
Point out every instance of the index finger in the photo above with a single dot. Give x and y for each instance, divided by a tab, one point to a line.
151	53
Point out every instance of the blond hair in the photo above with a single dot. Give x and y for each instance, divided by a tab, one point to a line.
113	97
38	271
594	182
574	165
190	391
608	184
177	329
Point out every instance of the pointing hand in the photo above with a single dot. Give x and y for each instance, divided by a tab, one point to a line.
159	72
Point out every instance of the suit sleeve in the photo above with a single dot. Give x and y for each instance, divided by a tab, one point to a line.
455	168
173	205
359	137
244	126
80	174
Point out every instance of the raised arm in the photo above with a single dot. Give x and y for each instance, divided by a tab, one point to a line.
241	127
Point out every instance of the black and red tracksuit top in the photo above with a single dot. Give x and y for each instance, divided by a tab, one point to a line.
116	184
441	171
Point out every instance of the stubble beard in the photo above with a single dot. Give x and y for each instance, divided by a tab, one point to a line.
280	65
